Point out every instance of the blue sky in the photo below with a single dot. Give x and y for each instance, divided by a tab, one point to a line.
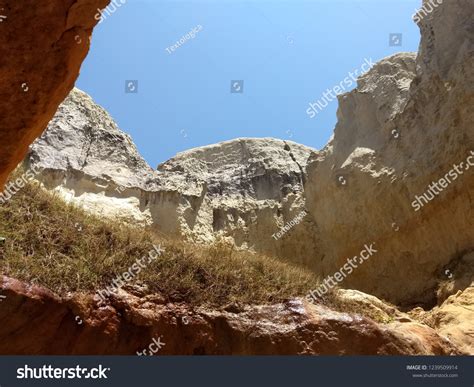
286	52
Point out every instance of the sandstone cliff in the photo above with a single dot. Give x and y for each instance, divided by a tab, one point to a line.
129	323
406	125
53	39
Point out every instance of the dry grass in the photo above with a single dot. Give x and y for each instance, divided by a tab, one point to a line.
65	249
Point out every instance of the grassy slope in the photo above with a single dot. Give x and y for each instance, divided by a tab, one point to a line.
65	249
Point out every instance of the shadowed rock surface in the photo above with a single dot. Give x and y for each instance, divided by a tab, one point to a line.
42	46
37	321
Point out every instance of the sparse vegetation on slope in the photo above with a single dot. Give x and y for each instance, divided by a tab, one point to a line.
65	249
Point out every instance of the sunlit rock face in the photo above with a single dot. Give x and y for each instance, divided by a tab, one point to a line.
85	157
42	46
405	126
242	191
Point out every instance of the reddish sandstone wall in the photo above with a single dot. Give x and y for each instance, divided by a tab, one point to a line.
42	46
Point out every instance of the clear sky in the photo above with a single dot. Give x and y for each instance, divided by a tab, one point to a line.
286	52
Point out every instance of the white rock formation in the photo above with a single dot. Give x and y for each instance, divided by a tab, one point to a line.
90	162
242	191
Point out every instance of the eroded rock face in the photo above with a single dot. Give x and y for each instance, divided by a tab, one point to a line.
242	191
90	161
453	319
42	46
405	126
36	321
250	189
